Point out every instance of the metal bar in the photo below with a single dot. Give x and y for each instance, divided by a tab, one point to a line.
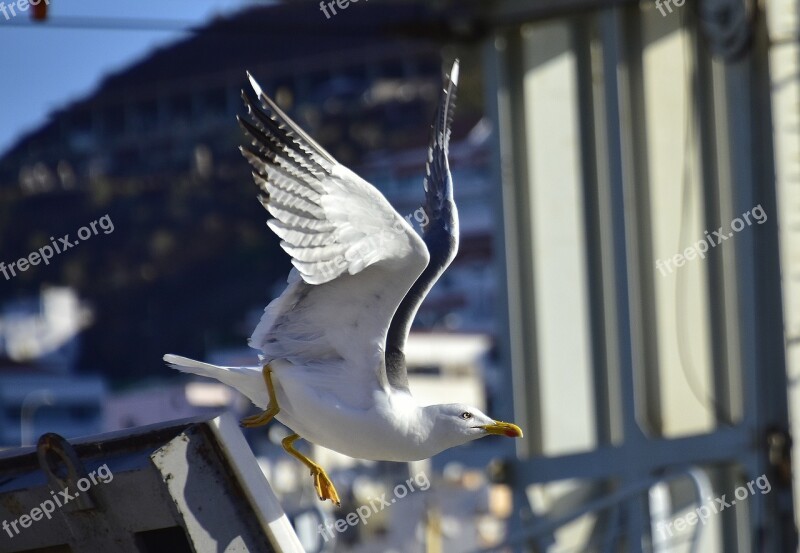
649	457
515	12
621	181
503	53
518	234
624	494
760	304
510	333
614	220
606	388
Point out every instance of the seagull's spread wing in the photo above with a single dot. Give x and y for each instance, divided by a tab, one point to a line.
440	233
355	258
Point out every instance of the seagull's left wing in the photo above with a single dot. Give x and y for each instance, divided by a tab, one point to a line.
355	256
440	233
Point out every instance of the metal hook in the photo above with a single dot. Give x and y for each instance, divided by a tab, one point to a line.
57	456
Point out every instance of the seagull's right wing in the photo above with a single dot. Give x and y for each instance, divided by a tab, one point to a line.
330	220
355	257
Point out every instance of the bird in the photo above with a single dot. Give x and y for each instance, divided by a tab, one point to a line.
331	346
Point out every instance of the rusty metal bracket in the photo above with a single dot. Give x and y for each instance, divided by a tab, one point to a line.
64	469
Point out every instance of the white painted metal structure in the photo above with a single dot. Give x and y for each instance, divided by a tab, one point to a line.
626	136
185	486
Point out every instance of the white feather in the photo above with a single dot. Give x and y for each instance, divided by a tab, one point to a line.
248	380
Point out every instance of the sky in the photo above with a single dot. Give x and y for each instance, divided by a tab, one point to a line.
46	66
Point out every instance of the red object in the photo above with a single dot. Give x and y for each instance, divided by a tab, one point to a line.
39	12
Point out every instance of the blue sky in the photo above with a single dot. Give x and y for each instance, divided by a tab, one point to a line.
44	67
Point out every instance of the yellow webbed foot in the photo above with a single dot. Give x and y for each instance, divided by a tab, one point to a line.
324	486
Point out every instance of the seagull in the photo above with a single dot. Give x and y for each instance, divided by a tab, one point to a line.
332	344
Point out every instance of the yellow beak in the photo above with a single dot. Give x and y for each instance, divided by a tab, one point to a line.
503	429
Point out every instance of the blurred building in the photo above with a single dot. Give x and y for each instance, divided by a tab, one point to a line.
39	392
357	93
44	330
368	97
35	402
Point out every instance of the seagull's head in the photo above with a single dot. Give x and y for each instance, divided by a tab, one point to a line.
456	424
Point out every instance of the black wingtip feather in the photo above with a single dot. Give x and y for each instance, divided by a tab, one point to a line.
437	181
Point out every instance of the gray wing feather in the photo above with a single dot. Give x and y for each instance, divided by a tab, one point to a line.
440	234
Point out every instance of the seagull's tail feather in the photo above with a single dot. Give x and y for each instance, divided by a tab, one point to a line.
247	380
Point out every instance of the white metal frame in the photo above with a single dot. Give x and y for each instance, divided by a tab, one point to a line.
733	102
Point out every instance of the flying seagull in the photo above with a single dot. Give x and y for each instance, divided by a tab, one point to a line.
332	343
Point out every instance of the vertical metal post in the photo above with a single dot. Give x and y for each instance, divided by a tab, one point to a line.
514	345
619	183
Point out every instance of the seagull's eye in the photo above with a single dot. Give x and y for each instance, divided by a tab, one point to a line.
466	415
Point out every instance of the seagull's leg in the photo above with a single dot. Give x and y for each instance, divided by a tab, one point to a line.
322	483
272	409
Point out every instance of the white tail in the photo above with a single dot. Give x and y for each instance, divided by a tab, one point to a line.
248	380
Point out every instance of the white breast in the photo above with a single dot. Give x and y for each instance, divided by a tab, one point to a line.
389	430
